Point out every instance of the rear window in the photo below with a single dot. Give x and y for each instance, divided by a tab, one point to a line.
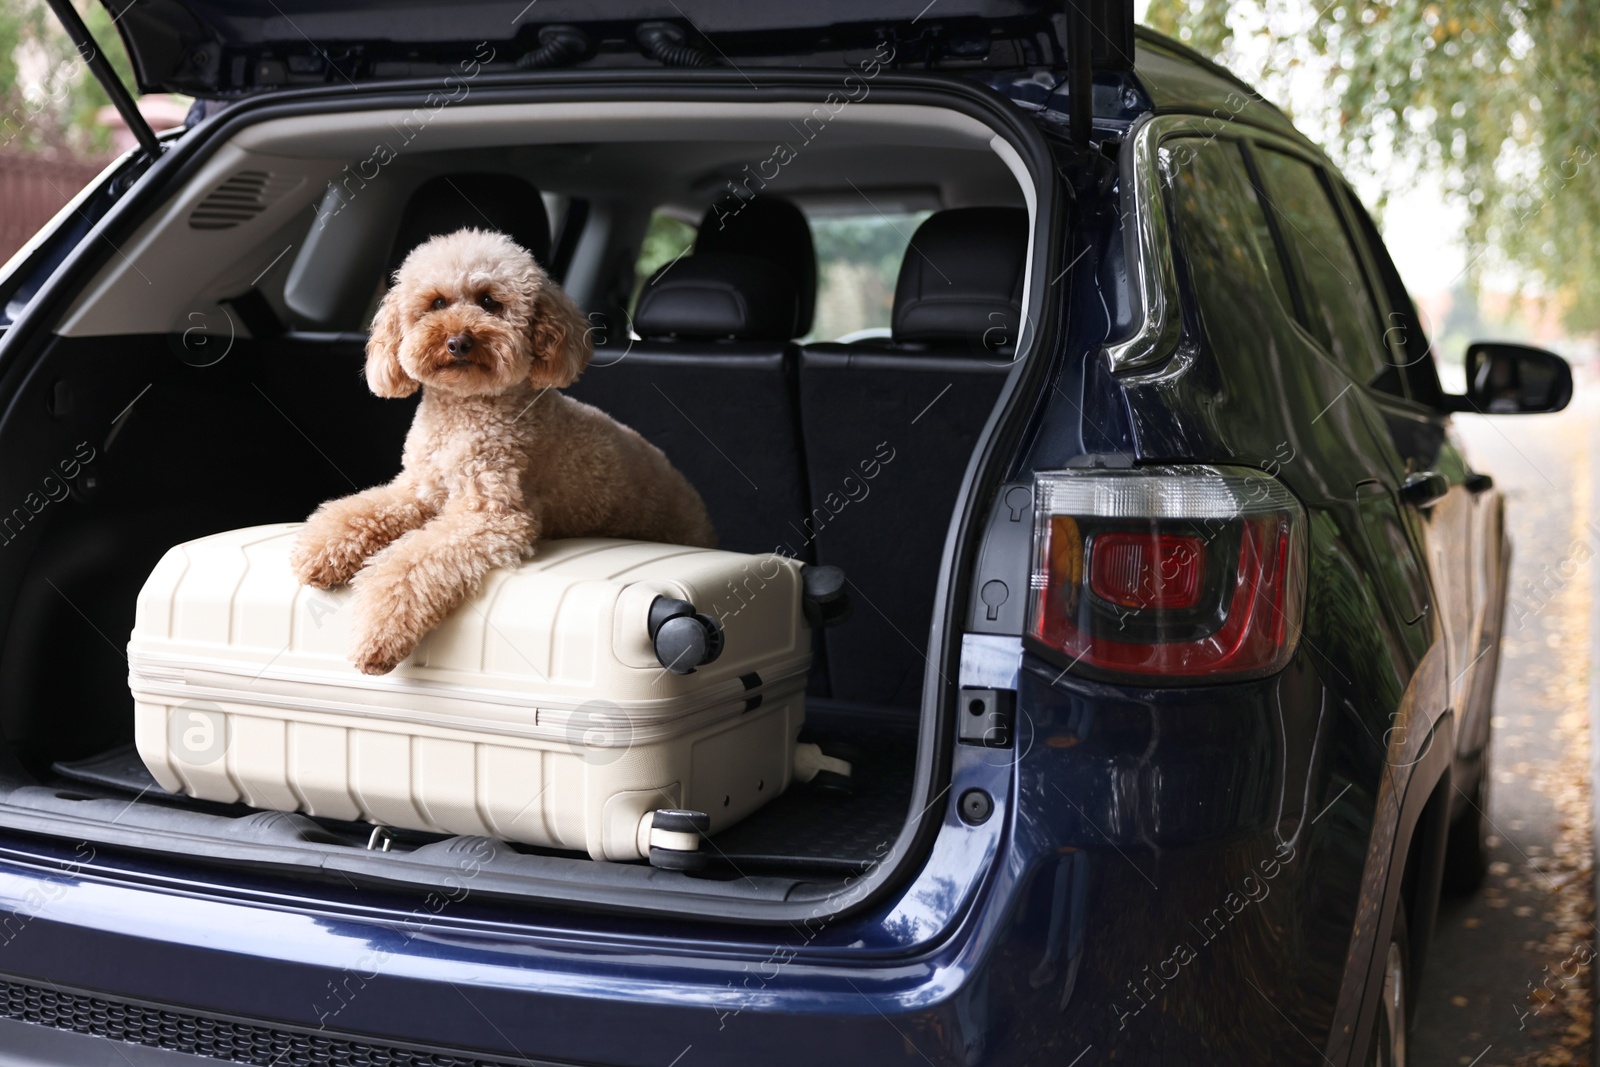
1223	233
1340	310
666	238
858	263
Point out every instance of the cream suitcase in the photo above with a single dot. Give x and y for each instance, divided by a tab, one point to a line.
539	712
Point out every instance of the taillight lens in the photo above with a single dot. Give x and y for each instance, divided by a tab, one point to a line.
1167	575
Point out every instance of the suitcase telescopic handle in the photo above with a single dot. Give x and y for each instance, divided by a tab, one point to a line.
682	637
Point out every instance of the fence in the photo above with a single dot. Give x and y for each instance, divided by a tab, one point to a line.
32	189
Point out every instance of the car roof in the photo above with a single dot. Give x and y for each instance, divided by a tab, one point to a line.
1179	80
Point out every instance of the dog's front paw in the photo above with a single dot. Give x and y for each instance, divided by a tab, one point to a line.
389	617
381	653
324	564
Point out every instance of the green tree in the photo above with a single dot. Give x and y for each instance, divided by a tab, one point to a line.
48	97
1500	98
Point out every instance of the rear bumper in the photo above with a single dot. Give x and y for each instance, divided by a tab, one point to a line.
143	965
1151	883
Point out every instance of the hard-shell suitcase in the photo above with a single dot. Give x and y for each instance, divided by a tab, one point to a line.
538	712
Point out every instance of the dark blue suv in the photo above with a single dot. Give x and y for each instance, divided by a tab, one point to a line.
1176	606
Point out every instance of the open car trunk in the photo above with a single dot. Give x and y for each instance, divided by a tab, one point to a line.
205	376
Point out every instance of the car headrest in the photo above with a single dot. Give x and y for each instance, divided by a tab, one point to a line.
717	296
771	229
961	279
452	202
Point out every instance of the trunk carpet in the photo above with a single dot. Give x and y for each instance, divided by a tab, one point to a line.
808	829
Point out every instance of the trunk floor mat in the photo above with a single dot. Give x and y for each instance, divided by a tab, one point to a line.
815	830
806	828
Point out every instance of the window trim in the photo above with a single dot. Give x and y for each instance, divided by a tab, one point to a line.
1280	244
1327	178
1240	143
1366	230
1149	238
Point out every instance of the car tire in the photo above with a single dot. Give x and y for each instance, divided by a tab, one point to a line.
1466	850
1387	1047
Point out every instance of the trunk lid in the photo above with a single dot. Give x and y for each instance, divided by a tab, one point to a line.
226	48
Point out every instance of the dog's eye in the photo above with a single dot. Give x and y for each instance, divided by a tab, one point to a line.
487	302
439	302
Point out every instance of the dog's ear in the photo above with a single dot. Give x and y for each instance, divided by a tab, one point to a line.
385	377
561	345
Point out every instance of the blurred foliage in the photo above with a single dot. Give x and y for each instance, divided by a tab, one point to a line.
48	97
666	238
875	241
1500	98
858	263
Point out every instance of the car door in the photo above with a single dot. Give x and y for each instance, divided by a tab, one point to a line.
1344	313
1465	527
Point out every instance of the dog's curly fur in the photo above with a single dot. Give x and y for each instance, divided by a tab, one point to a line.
496	458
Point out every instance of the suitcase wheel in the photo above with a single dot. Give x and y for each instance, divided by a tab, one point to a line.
682	637
675	839
670	859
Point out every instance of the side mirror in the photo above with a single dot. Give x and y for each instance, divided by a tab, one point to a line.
1507	379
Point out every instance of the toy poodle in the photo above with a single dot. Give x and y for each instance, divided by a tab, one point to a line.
496	458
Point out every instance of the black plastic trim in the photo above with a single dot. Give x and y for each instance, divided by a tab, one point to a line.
45	1020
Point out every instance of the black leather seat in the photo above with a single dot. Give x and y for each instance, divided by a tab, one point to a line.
711	383
889	427
483	201
768	228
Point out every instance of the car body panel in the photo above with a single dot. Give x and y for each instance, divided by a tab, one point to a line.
1153	853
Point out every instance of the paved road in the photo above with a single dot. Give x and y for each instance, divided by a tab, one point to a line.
1507	980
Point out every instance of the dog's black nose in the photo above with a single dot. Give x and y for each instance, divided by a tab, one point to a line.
459	345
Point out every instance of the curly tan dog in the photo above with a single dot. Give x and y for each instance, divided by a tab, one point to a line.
496	458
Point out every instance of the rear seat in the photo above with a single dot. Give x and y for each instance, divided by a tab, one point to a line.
889	427
767	228
711	383
484	201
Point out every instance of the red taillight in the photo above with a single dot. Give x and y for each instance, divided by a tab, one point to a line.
1146	571
1167	575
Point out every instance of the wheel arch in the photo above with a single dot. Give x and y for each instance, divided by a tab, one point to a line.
1415	867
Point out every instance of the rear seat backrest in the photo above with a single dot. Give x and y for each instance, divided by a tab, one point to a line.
481	201
889	428
710	383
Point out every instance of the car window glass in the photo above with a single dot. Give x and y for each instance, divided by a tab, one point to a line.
1265	245
1223	232
1340	310
665	239
1406	331
858	264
